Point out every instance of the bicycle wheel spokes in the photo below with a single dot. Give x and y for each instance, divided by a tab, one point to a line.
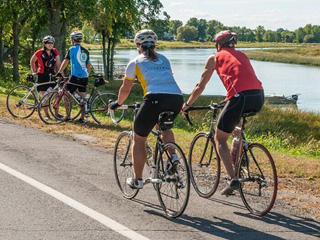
122	163
258	178
21	102
204	165
53	108
75	108
173	192
99	107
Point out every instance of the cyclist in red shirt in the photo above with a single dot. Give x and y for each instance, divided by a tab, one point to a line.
244	94
48	60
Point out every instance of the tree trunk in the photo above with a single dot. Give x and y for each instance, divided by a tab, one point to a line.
15	54
57	24
1	50
108	58
105	69
111	58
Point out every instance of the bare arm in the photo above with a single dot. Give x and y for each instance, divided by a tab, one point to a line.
33	63
205	77
89	68
63	65
124	90
58	62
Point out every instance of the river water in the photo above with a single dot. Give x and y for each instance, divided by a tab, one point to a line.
277	78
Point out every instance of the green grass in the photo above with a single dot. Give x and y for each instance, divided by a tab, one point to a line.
304	55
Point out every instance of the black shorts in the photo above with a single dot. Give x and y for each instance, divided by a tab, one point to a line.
244	102
79	81
152	106
43	78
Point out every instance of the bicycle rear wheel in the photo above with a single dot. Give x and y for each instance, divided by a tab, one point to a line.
21	102
99	107
258	177
204	165
173	192
57	107
122	163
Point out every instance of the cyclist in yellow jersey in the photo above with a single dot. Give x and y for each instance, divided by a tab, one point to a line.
160	91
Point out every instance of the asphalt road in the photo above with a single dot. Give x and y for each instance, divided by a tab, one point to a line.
56	188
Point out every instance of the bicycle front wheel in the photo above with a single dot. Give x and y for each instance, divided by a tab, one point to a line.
258	177
21	102
54	108
204	165
99	107
173	191
122	163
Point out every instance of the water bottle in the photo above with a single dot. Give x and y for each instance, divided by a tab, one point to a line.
48	90
234	148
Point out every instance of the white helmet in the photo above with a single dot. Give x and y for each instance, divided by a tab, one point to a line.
146	35
48	39
76	36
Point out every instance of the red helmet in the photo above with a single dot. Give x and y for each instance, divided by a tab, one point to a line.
225	37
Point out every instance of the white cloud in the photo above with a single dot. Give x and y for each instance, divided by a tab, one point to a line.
176	4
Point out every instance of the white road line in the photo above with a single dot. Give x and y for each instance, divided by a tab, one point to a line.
108	222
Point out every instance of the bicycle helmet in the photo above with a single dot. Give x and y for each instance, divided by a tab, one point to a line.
48	39
225	37
76	36
147	37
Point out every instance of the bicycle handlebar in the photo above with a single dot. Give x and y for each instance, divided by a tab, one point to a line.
214	107
111	112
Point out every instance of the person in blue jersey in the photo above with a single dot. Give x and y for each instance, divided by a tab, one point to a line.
160	93
80	67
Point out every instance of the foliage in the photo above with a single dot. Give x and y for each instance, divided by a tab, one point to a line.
187	33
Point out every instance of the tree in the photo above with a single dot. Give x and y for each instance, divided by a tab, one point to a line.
66	13
309	38
173	26
20	11
202	27
187	33
193	22
260	31
300	34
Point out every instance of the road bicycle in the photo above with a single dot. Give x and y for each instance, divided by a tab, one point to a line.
254	166
69	105
23	100
171	181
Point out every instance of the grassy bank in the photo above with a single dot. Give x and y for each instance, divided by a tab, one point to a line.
302	55
129	44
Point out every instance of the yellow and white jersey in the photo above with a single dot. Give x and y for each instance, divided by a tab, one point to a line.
154	76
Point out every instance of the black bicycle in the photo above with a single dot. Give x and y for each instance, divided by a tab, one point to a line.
171	181
253	165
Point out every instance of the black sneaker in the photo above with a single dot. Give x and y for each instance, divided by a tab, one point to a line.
135	184
58	115
234	184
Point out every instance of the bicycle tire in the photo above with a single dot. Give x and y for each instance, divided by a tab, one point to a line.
48	101
122	163
258	177
99	107
75	108
204	165
21	102
174	190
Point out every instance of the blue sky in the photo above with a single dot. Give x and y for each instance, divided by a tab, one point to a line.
272	14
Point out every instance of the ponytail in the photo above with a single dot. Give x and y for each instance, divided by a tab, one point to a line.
150	52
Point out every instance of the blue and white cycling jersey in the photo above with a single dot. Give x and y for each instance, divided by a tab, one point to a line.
79	57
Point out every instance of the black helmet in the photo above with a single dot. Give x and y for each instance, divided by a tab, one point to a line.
48	39
225	37
76	36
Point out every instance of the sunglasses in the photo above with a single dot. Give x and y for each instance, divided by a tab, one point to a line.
48	43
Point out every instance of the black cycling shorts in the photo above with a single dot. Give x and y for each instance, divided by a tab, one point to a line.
78	81
152	106
43	78
243	102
